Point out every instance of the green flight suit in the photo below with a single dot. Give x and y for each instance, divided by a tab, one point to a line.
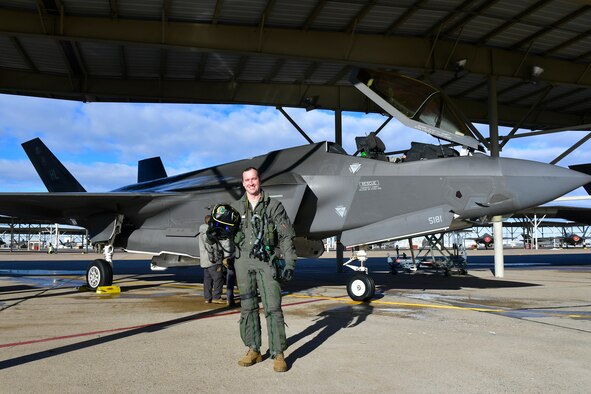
255	274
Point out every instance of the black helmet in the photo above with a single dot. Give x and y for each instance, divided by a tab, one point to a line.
224	222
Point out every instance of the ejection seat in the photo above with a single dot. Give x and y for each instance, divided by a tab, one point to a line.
371	147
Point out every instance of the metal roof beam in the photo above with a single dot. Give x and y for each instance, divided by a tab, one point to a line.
275	70
564	95
163	62
367	50
407	14
21	51
268	9
346	98
351	26
568	43
443	21
313	15
340	75
572	104
549	28
123	61
239	68
202	65
466	92
571	149
309	72
542	94
471	15
294	124
217	11
512	21
114	7
555	130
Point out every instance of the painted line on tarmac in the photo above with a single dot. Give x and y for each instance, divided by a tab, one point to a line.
121	329
408	304
506	312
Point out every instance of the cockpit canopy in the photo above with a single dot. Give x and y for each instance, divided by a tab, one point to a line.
415	104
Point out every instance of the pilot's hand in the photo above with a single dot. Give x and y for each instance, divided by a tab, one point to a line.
225	263
287	275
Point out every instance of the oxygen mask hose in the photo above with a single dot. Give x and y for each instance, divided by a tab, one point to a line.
258	250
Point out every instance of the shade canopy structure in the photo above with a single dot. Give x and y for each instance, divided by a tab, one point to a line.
301	53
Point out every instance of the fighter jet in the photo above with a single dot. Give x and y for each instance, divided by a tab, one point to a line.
325	192
568	239
572	239
487	240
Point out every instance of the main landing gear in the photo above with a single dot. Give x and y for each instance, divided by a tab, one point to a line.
100	271
361	286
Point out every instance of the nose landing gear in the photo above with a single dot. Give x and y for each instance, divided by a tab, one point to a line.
361	286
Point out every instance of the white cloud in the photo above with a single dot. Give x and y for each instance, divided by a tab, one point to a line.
19	175
101	142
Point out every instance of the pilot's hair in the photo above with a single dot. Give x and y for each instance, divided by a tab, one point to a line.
249	169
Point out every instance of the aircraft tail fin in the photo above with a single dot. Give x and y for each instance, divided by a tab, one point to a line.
52	172
585	169
150	169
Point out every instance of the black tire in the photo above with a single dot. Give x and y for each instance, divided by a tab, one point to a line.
99	273
361	287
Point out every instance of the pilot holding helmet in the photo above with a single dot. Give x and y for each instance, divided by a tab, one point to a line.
265	256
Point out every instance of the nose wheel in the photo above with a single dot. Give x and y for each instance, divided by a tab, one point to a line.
361	286
99	273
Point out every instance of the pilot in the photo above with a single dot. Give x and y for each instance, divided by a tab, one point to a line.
265	257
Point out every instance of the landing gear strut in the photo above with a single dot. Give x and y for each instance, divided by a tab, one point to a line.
361	286
100	271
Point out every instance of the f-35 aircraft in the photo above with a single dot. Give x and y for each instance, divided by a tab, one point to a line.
487	240
325	191
568	239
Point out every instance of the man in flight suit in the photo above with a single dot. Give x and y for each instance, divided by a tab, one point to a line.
265	234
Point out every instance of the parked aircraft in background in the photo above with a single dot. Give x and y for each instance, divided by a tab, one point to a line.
573	239
566	240
487	240
325	191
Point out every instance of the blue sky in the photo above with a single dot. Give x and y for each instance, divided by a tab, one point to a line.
100	143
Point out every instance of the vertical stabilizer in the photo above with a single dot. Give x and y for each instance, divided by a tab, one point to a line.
150	169
52	172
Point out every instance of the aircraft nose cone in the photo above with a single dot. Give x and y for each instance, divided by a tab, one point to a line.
534	183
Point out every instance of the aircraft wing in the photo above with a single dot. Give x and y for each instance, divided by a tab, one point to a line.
574	214
65	207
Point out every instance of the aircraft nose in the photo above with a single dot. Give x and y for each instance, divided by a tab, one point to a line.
533	183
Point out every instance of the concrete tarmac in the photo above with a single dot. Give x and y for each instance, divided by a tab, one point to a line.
529	332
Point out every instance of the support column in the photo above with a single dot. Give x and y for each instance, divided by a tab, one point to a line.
57	237
338	138
493	119
338	127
